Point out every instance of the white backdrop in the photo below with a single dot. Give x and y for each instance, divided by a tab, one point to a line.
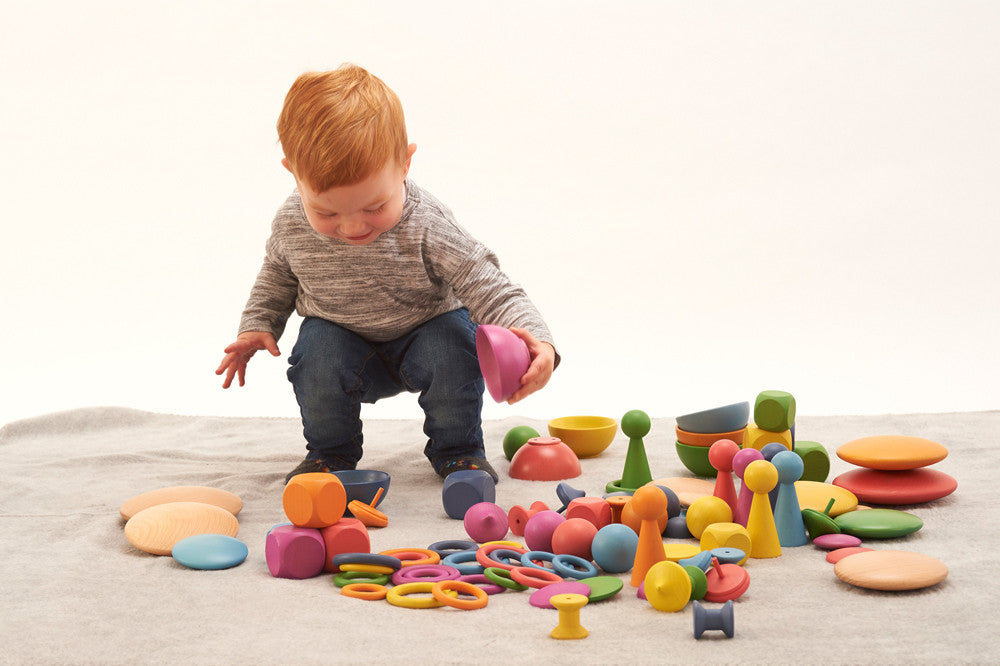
705	199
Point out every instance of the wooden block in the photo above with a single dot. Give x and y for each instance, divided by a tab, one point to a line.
315	499
774	410
295	552
757	438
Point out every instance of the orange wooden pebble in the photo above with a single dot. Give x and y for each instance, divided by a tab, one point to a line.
892	452
686	488
203	494
156	529
315	499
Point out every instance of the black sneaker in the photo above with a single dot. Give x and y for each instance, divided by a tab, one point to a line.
471	462
308	466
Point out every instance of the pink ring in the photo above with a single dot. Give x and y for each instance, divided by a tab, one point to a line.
483	555
425	573
533	577
483	582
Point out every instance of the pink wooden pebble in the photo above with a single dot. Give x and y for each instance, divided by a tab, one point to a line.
295	552
835	556
835	541
486	521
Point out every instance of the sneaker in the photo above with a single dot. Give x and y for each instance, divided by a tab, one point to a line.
471	462
309	466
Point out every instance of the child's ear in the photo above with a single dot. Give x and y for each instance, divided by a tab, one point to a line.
412	148
284	163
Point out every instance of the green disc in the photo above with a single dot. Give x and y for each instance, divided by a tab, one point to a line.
603	587
699	582
878	523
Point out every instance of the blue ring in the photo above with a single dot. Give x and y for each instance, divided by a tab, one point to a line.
459	560
508	556
374	559
566	566
528	559
444	548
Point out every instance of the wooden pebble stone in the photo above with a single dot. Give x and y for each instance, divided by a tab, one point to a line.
912	486
878	523
891	570
837	555
203	494
157	529
686	488
816	495
892	452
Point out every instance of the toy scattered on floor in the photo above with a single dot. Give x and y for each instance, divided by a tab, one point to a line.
569	606
486	521
774	411
518	516
635	424
566	494
815	459
760	477
726	582
720	619
347	535
315	499
892	452
878	523
545	459
649	503
787	513
587	436
813	495
613	548
203	494
295	552
364	484
836	541
595	509
574	537
686	488
366	513
675	552
818	523
538	531
705	511
695	459
727	535
667	586
720	457
914	486
210	551
517	437
745	496
542	597
837	555
464	488
503	360
158	528
890	570
717	419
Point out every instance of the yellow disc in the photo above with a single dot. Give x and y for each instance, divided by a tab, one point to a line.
680	551
667	586
816	495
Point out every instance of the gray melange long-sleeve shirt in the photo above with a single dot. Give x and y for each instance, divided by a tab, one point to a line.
424	266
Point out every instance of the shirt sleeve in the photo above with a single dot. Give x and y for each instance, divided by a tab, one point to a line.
272	298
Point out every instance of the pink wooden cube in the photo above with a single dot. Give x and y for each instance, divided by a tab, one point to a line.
295	552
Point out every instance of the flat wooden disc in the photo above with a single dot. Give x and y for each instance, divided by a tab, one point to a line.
686	488
892	452
816	495
203	494
891	570
156	529
912	486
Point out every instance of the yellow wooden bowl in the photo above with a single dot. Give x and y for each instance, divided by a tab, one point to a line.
587	436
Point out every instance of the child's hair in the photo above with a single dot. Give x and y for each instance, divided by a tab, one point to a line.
337	128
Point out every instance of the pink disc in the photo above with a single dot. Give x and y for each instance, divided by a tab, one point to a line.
835	541
835	556
540	598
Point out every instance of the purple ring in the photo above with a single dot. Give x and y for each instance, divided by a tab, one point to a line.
483	583
425	573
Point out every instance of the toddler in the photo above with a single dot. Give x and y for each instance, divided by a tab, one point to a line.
390	288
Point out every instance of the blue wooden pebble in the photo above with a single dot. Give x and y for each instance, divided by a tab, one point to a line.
714	618
210	551
728	555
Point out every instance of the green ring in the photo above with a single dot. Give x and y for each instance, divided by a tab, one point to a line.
345	577
502	578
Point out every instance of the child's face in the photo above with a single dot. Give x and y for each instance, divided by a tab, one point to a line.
357	214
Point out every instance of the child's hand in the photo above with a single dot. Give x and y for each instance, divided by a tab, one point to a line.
543	359
239	353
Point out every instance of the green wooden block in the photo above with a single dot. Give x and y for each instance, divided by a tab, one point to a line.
815	459
774	410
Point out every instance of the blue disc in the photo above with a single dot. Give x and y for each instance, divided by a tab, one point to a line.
728	555
210	551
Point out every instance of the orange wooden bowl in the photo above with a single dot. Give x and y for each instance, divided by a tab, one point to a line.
707	439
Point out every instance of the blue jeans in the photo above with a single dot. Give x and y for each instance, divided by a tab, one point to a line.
334	370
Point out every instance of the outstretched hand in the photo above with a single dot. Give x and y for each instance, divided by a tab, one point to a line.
543	359
239	353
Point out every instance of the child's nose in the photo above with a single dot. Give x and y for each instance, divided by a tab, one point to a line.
353	227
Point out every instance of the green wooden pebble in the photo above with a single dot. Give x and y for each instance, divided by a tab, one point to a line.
603	587
878	523
699	582
774	411
517	437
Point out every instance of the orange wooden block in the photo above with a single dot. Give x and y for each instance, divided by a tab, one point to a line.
315	499
156	529
203	494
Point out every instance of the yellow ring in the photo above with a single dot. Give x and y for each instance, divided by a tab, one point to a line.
443	587
368	568
430	556
397	595
366	591
505	544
